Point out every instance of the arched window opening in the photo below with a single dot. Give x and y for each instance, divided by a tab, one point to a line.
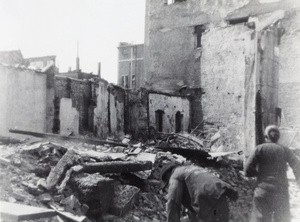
159	120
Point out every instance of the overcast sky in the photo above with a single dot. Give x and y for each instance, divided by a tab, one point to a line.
53	27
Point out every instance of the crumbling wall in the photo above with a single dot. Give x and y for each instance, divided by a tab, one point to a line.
267	81
289	100
289	66
172	58
50	95
116	101
137	113
80	93
170	105
223	75
100	96
23	100
69	118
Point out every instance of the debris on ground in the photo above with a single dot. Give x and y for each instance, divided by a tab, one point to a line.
107	182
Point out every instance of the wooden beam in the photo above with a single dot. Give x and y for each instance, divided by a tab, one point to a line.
71	138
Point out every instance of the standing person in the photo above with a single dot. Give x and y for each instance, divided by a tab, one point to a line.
202	193
268	163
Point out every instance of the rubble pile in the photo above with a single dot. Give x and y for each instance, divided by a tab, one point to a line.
88	182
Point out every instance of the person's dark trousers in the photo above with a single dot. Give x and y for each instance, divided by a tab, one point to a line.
268	205
219	213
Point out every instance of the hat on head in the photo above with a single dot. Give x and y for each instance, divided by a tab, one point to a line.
163	174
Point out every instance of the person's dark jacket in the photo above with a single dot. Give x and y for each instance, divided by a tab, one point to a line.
269	164
196	189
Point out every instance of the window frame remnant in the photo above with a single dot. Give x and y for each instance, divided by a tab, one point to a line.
170	2
237	21
198	31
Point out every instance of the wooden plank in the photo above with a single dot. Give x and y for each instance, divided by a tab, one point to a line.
19	212
72	138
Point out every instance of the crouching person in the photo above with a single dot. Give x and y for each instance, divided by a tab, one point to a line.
202	193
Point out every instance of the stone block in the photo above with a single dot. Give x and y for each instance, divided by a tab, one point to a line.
94	190
125	197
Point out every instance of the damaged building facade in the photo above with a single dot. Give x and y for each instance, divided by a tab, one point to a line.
240	55
215	66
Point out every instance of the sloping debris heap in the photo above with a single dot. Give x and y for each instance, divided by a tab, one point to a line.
87	182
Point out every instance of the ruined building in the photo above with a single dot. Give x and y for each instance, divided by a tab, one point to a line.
215	66
239	56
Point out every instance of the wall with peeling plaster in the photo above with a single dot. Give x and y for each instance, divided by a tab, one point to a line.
137	114
289	66
80	93
69	118
268	79
23	100
171	56
100	96
170	106
223	65
231	66
116	101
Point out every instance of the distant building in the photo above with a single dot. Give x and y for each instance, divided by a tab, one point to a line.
130	64
11	58
40	64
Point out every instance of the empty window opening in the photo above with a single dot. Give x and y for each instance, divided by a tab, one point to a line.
178	122
199	29
159	120
133	81
125	81
169	2
238	21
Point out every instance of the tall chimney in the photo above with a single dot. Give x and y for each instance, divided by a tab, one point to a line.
77	64
99	69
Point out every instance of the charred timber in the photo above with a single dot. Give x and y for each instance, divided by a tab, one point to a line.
117	166
72	138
